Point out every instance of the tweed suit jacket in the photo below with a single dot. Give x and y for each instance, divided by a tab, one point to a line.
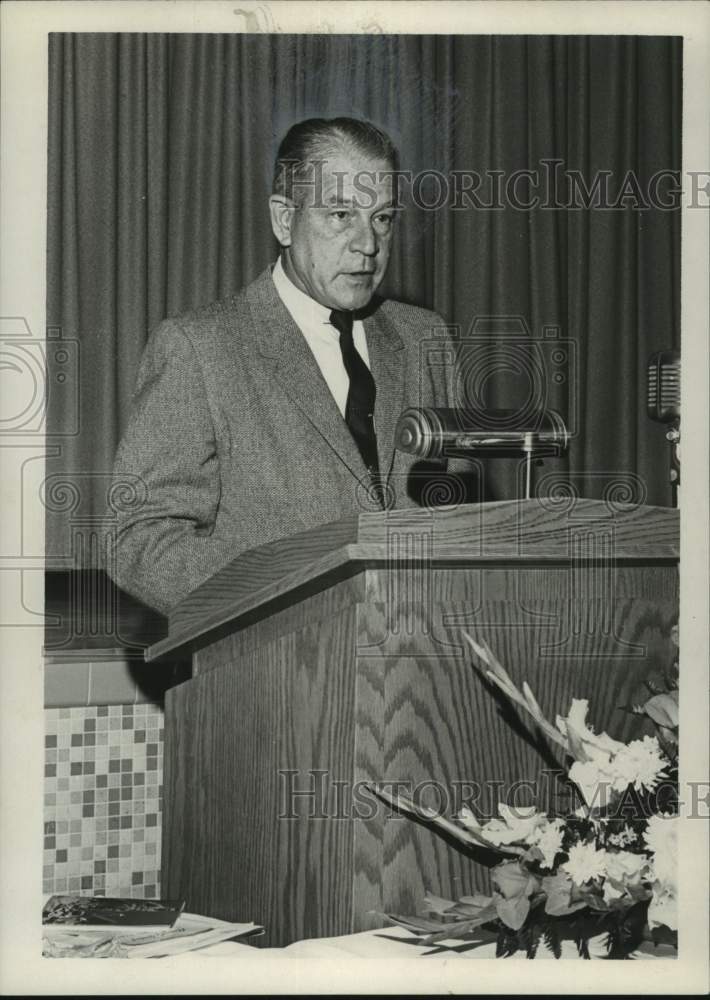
236	440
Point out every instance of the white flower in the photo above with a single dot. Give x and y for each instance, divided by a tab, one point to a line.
623	838
575	724
585	862
641	764
661	838
548	839
611	892
467	819
516	825
623	866
663	908
594	780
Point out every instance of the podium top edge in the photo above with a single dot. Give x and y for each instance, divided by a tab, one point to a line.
539	531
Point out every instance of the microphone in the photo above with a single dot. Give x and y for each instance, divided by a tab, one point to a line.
663	403
431	432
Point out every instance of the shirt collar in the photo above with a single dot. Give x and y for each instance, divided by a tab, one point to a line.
306	311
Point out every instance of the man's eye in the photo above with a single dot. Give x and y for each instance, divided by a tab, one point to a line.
384	219
340	214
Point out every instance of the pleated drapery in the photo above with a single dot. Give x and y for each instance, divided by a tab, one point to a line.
161	151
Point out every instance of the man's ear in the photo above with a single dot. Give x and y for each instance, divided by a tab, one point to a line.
282	210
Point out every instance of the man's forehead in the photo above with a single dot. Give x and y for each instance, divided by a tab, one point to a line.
349	163
355	181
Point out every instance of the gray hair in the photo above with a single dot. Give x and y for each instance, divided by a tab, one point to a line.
314	139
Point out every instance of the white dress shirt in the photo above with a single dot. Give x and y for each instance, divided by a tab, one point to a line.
313	321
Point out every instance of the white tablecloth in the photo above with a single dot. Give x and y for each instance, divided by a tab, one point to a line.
392	942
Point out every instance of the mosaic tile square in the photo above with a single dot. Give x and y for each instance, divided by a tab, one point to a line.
102	764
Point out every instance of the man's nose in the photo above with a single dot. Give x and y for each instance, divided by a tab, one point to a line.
364	239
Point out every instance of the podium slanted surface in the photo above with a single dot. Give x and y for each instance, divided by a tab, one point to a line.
335	658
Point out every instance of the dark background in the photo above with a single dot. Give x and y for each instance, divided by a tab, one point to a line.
160	157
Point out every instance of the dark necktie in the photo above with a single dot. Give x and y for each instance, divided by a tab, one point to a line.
360	406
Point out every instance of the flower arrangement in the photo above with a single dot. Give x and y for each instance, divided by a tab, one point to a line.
591	875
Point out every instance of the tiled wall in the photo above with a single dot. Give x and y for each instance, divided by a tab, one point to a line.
103	794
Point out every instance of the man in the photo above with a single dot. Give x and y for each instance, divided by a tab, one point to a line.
274	411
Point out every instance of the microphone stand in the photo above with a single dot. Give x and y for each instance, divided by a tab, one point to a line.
673	437
528	451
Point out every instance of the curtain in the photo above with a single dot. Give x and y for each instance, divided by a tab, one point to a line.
160	156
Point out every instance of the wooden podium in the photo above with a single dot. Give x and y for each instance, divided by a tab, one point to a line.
335	658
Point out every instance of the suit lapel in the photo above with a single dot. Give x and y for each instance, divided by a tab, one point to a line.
283	346
285	349
384	346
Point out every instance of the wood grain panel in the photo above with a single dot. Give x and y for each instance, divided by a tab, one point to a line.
368	831
260	567
230	733
312	578
539	527
475	583
632	629
309	611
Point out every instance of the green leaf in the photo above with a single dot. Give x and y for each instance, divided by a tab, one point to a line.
464	910
497	674
533	854
552	940
437	930
662	935
558	906
459	930
582	947
576	747
558	889
663	709
514	911
532	701
420	924
639	892
557	883
593	900
496	848
465	836
435	904
478	899
669	737
511	879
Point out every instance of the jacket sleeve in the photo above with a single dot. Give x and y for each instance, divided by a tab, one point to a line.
166	485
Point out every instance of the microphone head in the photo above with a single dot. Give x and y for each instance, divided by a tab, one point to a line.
419	432
663	402
429	432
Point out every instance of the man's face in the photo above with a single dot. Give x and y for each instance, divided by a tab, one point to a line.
337	237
